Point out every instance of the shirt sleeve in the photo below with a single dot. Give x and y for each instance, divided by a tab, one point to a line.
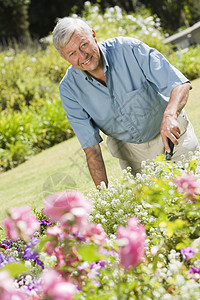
157	69
80	121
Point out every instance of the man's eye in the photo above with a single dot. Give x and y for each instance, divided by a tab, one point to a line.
84	45
71	54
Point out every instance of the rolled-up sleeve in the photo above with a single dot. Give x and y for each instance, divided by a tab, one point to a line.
80	121
157	69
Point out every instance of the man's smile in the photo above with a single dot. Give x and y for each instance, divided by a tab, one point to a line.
87	61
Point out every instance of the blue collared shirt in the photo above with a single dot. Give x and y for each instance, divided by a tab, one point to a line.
130	108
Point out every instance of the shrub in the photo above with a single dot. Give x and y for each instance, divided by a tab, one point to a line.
30	131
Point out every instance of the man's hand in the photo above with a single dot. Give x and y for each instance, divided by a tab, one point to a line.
96	164
169	127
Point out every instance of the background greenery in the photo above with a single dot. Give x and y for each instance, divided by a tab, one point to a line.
23	20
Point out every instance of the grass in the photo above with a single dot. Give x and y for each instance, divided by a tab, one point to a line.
64	167
58	168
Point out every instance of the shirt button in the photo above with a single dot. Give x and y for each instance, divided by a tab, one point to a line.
122	113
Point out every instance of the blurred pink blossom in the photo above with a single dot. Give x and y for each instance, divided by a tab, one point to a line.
96	233
189	185
60	257
56	287
21	223
70	208
7	289
133	238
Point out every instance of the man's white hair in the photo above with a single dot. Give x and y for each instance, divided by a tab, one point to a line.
64	30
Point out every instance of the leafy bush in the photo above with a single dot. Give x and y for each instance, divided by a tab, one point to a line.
28	132
187	61
161	206
29	79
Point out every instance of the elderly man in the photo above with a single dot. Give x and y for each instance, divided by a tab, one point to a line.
127	90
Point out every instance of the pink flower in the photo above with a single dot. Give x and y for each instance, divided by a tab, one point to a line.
187	253
60	257
56	287
189	185
21	224
133	236
70	208
7	289
96	233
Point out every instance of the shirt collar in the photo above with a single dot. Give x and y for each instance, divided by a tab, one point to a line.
103	52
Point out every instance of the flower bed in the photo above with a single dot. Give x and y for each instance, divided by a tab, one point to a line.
138	239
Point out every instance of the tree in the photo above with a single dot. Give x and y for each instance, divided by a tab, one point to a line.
14	25
175	13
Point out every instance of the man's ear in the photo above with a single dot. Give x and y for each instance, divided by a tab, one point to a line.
94	35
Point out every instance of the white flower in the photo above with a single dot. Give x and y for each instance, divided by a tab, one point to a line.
28	264
28	279
87	4
154	250
167	297
180	280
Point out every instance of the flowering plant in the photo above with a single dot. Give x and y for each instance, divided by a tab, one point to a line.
137	239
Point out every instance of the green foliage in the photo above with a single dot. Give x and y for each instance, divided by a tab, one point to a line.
175	14
187	61
28	132
171	220
154	199
15	269
29	78
14	21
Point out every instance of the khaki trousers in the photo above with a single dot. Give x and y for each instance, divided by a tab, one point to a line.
131	155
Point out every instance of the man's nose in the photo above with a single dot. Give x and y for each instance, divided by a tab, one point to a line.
82	54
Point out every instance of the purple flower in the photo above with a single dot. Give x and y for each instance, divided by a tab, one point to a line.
102	263
10	259
194	270
45	222
5	260
187	253
2	260
30	287
6	244
30	253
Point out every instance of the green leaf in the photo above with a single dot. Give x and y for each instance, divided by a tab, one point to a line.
15	269
173	226
89	252
182	244
160	158
192	164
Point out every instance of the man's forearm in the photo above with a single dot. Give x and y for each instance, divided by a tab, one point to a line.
96	164
178	99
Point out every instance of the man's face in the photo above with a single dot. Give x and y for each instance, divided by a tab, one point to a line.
82	51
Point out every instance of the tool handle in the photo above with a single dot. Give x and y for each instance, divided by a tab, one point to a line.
168	155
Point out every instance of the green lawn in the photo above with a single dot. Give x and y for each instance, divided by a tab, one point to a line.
64	167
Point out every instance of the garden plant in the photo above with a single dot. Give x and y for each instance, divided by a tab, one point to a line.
137	239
